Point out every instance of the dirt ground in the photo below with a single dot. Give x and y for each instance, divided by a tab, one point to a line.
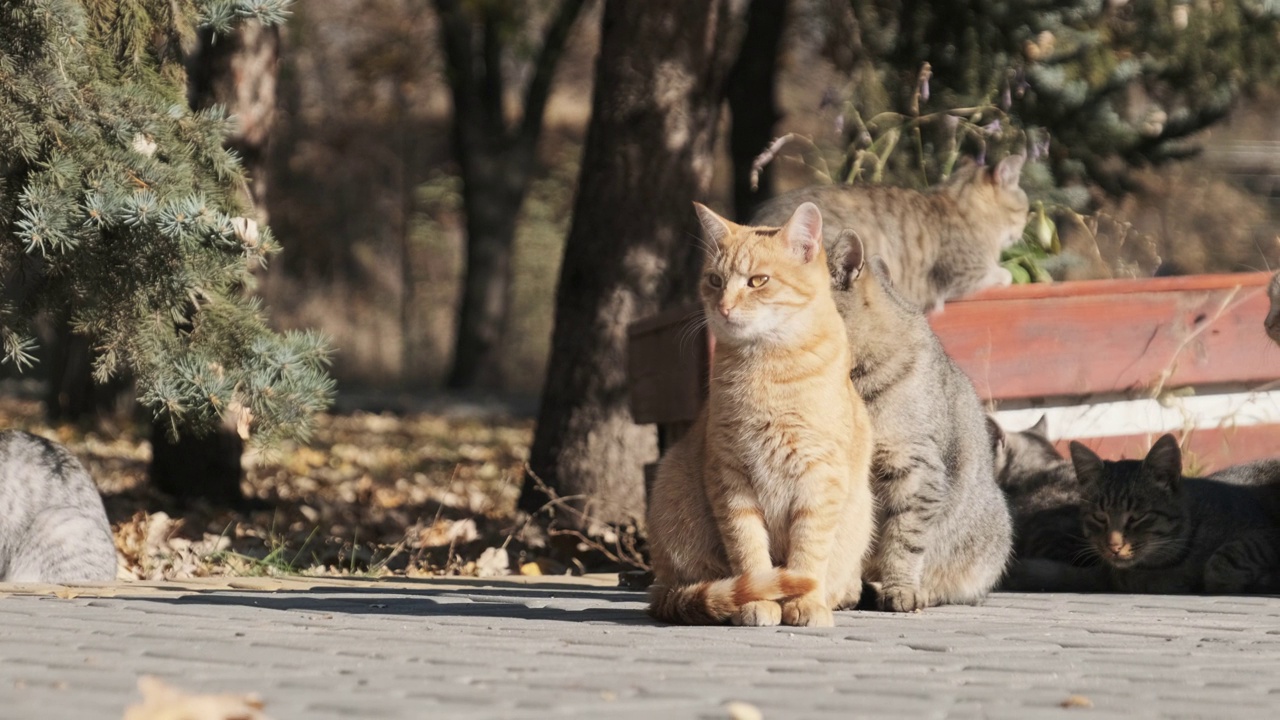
371	494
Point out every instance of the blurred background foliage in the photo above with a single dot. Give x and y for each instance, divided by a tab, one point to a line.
1151	126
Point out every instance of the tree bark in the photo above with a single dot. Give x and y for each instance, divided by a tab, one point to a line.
497	160
239	73
753	104
649	153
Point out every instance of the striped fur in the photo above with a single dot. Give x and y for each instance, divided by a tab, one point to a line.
774	470
938	245
1044	497
715	601
53	527
943	528
1156	531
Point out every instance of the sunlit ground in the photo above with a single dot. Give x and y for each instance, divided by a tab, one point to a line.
371	494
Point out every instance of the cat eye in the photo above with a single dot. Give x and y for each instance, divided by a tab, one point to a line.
757	281
715	281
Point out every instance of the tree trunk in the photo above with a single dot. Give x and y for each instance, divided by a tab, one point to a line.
659	86
752	102
497	161
492	194
238	72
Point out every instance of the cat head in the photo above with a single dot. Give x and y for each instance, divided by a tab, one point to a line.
992	196
1272	323
1131	509
757	282
1021	455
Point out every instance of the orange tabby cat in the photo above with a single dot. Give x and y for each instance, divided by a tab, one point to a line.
767	498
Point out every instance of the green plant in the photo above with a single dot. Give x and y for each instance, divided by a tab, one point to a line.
121	210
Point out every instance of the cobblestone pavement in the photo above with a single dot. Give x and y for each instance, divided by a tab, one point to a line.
580	648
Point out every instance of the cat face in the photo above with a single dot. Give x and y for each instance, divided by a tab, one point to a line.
757	282
1131	510
993	194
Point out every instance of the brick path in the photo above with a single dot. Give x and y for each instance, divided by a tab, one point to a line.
578	648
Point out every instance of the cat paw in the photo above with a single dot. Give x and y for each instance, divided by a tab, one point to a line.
852	596
902	598
807	612
761	613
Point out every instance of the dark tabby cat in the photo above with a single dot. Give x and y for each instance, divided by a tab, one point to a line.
1159	532
937	245
943	531
52	525
1043	495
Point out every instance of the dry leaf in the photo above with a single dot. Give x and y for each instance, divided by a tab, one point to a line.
493	562
1077	701
164	702
743	711
66	593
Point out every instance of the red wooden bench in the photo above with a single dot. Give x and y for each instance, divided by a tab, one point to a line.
1114	363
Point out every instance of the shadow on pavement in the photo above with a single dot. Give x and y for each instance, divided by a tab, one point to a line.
532	602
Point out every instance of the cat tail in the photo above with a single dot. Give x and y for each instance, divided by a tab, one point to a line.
714	601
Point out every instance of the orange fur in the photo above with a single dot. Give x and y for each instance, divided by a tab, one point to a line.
767	497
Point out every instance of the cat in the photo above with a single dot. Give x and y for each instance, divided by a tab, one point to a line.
1043	495
762	512
1272	322
1156	531
53	528
938	245
943	528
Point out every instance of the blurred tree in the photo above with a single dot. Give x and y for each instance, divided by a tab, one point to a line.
753	105
121	210
659	85
497	159
1115	84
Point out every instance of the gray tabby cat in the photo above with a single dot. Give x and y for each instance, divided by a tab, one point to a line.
1272	323
1044	497
943	530
53	527
1159	532
938	245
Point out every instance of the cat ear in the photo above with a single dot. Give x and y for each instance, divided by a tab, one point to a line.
963	172
1041	427
1163	463
803	232
714	227
847	260
1006	173
996	433
1087	464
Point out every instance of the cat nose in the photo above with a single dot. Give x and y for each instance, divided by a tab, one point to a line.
725	310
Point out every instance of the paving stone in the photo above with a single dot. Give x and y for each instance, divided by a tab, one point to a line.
579	649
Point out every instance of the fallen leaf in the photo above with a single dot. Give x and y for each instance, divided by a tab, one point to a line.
743	711
66	593
164	702
493	562
1077	701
